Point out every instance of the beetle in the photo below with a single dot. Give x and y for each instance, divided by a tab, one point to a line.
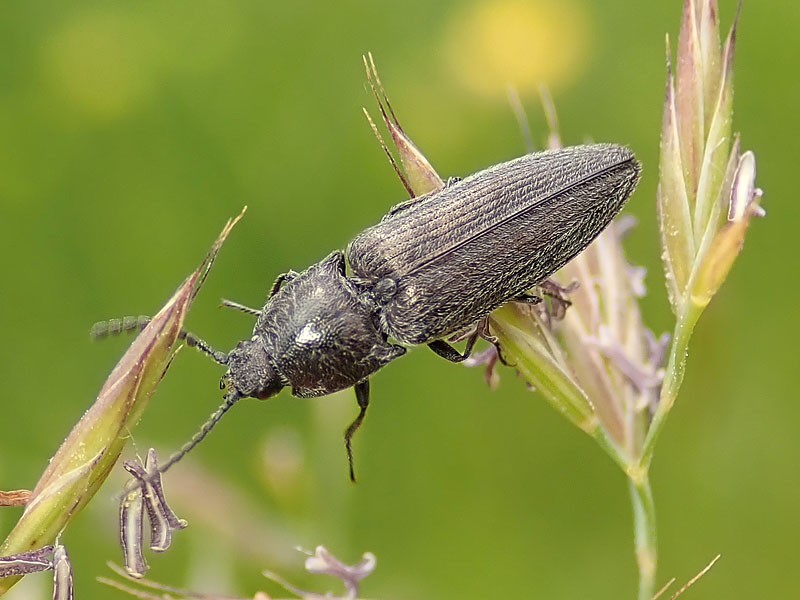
434	266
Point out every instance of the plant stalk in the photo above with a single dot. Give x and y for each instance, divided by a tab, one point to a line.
645	535
673	377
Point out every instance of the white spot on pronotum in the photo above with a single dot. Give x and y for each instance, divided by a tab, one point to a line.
309	334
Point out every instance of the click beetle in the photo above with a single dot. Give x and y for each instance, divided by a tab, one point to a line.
434	266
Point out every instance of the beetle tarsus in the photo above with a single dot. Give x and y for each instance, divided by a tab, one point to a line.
362	396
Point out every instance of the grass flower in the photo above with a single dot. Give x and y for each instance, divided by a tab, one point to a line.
596	362
321	562
707	192
90	451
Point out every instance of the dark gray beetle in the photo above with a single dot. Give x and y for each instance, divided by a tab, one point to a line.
434	266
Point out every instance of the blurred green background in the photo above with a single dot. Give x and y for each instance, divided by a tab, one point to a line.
129	132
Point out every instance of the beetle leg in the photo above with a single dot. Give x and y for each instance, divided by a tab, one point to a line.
245	309
559	296
282	278
527	299
481	327
483	331
551	287
397	208
445	350
362	396
494	342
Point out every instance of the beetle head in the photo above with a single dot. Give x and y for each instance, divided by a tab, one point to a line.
250	372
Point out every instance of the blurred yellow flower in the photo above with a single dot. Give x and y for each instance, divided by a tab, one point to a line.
522	42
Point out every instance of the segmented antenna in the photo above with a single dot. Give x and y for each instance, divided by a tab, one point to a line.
236	306
230	399
103	329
